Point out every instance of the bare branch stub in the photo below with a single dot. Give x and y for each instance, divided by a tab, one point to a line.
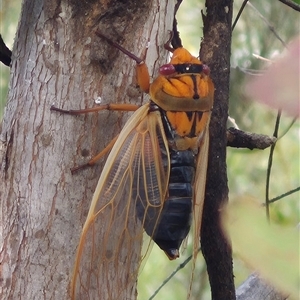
176	41
239	139
5	53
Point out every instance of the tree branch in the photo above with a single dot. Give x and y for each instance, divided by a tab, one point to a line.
176	41
215	51
5	53
291	4
239	139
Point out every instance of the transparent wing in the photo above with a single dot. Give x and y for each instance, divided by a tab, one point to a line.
134	177
200	182
199	194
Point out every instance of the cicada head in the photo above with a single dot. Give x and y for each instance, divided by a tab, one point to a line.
183	84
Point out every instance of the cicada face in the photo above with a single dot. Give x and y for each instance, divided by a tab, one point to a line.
183	85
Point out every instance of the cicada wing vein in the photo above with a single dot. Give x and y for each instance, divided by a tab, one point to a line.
134	177
199	194
200	183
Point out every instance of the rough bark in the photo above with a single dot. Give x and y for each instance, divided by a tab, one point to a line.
215	52
57	59
254	288
240	139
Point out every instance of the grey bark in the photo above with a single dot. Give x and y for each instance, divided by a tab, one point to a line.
254	288
58	60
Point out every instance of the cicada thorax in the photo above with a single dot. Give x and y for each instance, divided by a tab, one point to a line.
183	94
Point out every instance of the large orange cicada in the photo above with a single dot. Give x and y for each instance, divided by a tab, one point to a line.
157	167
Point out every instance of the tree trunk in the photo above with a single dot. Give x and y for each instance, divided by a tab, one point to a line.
58	59
215	52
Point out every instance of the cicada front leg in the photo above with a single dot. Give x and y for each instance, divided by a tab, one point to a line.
106	150
115	107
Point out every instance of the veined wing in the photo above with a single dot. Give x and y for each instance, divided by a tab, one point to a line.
134	178
200	182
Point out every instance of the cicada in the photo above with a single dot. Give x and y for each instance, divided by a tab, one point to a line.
154	177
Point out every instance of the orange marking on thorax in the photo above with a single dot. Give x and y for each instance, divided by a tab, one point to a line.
187	124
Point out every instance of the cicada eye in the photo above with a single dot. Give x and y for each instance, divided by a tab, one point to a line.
206	69
167	69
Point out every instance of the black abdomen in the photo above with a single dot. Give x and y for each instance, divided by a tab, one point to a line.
173	224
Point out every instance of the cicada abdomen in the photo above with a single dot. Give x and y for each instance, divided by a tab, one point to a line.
169	225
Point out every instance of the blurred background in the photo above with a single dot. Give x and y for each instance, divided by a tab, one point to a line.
258	32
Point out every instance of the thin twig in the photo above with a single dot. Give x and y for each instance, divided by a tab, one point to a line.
297	189
270	162
181	266
270	26
239	14
287	129
291	4
252	72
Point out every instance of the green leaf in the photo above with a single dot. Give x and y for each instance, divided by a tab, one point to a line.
270	250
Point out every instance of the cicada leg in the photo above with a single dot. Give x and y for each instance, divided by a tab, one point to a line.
115	107
97	157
